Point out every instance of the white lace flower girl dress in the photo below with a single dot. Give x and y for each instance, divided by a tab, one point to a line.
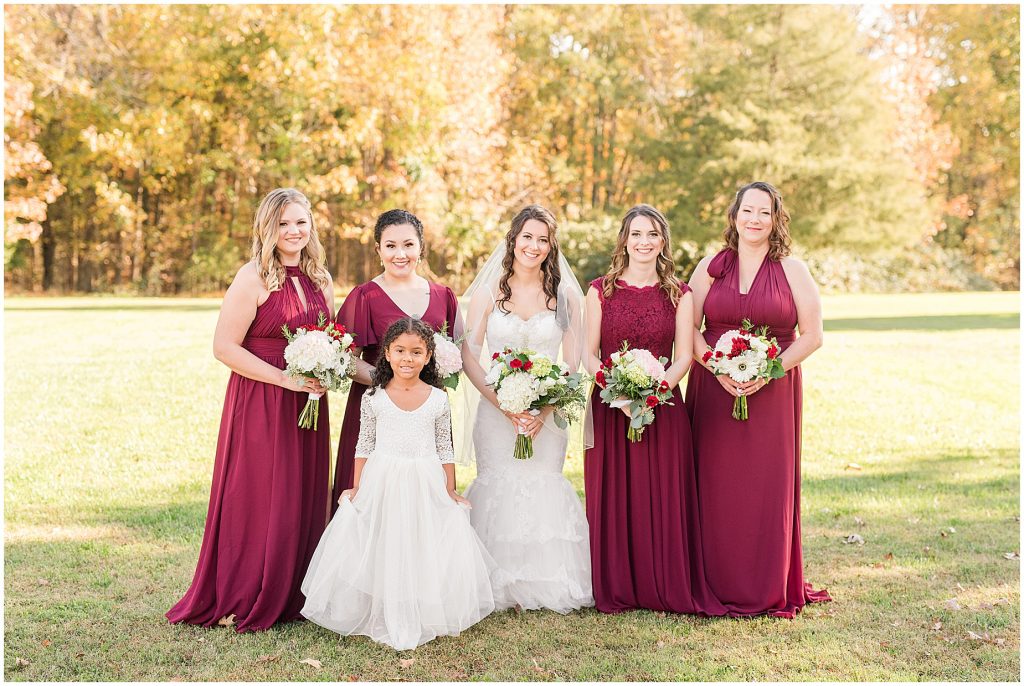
401	564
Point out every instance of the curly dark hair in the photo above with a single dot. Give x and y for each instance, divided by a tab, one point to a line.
396	218
549	269
778	240
383	373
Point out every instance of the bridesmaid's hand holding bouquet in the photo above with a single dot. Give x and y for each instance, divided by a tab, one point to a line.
744	355
322	352
634	378
527	381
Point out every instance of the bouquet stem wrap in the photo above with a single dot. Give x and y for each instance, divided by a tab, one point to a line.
309	418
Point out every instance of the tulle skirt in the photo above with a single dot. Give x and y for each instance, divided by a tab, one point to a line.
401	564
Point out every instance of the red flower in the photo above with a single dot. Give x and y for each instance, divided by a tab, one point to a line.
608	362
772	352
516	363
652	400
718	354
744	332
707	356
664	386
495	356
529	363
599	377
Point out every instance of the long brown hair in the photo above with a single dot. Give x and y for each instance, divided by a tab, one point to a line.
778	240
666	266
383	373
551	276
265	230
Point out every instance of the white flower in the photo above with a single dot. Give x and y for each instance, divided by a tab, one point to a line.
649	364
757	344
517	392
493	374
744	366
447	355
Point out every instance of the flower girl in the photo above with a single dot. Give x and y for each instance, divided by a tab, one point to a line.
400	562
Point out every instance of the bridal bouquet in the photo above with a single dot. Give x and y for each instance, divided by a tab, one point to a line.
322	352
745	354
448	357
634	377
527	381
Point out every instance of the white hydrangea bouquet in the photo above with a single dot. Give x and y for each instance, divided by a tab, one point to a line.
528	381
634	377
448	356
322	352
745	354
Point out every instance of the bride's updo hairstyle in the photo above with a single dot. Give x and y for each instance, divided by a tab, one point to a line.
549	268
383	373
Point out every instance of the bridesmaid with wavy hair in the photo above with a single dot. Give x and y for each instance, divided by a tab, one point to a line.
748	472
641	497
268	503
397	292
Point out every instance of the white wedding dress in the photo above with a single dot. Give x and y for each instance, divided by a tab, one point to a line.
401	563
525	511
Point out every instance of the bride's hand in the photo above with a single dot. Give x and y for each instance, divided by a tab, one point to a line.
349	493
534	423
518	419
459	499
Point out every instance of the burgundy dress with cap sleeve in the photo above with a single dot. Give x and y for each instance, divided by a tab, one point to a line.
268	503
641	497
748	472
367	313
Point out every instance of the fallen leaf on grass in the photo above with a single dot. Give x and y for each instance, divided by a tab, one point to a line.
858	521
854	538
46	643
937	626
1001	601
1011	556
952	604
43	582
20	662
927	549
311	662
660	644
406	663
226	621
976	637
457	675
890	556
352	677
896	623
854	466
79	655
267	658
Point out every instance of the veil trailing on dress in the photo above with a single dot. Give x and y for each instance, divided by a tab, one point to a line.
481	299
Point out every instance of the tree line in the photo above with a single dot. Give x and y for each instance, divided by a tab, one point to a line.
140	138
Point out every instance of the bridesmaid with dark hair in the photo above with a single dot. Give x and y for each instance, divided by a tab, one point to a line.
268	503
748	472
641	497
398	291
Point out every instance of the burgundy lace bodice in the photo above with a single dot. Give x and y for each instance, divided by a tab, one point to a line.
643	316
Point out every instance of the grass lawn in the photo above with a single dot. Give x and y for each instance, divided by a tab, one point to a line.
911	442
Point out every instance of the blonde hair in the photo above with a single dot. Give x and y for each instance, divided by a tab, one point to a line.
312	260
778	240
666	266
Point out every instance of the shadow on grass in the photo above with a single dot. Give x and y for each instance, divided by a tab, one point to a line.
958	322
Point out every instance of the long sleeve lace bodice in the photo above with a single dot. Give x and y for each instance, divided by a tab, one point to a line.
386	429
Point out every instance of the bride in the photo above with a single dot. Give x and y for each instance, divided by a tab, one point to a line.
525	511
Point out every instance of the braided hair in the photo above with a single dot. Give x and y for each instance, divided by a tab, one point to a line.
383	373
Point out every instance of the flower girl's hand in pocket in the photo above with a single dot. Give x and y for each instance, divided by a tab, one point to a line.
349	493
460	500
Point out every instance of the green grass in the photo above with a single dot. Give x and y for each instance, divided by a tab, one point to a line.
911	440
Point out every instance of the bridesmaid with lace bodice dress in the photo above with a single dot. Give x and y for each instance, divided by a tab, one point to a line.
373	306
641	497
748	472
268	502
525	511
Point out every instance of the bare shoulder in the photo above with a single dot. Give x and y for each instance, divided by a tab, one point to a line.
700	272
795	268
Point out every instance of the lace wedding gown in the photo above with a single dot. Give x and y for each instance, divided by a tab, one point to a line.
401	563
525	511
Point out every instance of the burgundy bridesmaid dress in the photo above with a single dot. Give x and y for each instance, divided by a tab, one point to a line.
748	472
367	313
641	497
268	503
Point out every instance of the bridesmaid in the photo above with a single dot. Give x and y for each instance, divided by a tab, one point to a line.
641	497
748	472
373	306
268	503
